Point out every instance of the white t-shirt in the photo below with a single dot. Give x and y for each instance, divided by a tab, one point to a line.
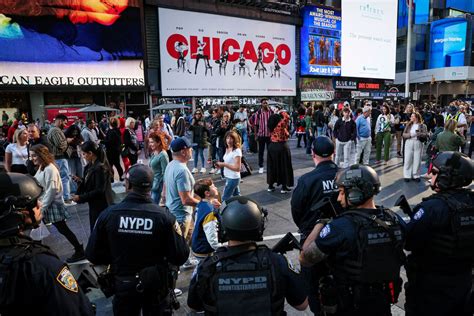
413	130
230	159
19	154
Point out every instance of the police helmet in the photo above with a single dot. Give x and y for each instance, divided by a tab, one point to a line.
360	183
241	218
456	170
17	192
323	146
140	177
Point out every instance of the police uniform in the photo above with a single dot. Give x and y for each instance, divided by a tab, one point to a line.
131	236
246	279
364	259
33	281
439	269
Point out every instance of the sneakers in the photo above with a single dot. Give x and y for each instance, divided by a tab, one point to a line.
213	170
69	202
203	170
190	263
178	292
271	188
194	170
78	255
285	190
260	170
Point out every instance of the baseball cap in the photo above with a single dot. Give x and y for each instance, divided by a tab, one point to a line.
323	146
140	176
181	143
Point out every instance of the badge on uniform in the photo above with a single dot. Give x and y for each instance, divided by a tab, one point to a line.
418	214
66	279
177	229
325	231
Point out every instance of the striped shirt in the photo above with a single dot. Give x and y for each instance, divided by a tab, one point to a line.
261	122
58	141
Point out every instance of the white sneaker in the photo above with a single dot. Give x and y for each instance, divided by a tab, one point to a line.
178	292
190	263
203	170
194	170
213	170
260	170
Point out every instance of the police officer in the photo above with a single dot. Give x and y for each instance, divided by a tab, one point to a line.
363	248
441	240
244	277
134	237
33	281
310	199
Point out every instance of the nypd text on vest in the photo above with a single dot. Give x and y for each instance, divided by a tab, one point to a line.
135	225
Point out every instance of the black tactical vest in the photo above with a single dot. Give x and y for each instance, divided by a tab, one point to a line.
13	251
379	254
457	241
236	287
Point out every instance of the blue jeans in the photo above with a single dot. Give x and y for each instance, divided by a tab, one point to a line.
245	140
64	173
76	168
320	131
156	195
198	152
231	188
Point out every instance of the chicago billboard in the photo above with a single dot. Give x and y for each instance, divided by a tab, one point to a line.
448	43
60	43
321	41
212	55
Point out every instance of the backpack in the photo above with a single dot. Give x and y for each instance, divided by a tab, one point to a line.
300	122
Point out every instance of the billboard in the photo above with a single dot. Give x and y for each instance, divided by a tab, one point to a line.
316	89
58	43
321	41
368	35
463	5
448	43
212	55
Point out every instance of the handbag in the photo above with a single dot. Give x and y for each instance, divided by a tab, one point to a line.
245	169
124	153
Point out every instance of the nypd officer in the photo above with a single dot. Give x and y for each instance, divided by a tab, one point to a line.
244	278
441	240
310	199
33	281
134	237
363	248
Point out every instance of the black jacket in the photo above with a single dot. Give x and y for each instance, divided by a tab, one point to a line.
345	131
312	187
113	141
95	189
135	234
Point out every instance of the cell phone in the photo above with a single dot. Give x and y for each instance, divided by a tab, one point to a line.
214	163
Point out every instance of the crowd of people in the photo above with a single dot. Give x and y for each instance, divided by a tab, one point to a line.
73	162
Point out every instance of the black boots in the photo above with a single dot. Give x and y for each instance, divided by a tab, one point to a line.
78	255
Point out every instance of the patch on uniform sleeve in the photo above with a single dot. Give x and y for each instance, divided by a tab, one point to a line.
291	266
177	228
325	231
66	279
418	214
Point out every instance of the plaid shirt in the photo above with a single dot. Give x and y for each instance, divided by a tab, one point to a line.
260	122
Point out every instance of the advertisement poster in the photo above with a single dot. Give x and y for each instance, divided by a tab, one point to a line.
316	89
321	42
369	34
58	43
51	113
210	55
448	43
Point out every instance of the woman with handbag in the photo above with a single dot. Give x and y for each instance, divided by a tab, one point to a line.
53	209
232	163
95	187
130	140
415	134
279	166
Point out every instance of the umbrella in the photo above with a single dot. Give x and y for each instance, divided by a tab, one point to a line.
170	106
273	102
95	108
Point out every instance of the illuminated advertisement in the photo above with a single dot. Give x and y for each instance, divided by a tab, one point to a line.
463	5
448	43
321	41
368	36
316	89
71	43
213	55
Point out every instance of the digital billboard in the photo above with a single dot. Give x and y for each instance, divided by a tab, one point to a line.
63	43
463	5
368	36
213	55
448	43
321	41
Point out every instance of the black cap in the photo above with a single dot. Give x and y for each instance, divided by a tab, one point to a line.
140	176
323	146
